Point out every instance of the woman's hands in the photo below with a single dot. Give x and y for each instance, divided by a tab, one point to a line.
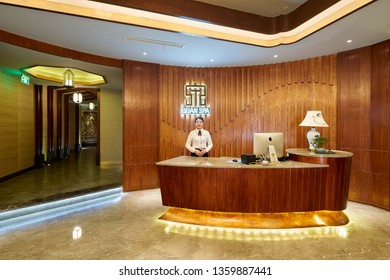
200	153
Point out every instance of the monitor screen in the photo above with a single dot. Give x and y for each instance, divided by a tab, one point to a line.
261	141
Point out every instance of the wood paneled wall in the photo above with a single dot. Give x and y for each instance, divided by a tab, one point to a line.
140	125
363	121
245	100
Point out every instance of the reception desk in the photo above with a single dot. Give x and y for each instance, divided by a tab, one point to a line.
220	192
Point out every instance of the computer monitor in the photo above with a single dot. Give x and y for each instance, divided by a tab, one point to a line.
261	141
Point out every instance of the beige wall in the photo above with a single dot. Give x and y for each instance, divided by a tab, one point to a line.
16	124
110	127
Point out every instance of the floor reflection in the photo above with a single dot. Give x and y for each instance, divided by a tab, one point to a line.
62	178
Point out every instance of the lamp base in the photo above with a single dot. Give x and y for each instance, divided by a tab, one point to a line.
311	134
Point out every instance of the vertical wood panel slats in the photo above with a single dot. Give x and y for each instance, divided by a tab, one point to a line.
276	97
170	95
302	71
176	103
290	71
267	78
317	70
244	100
260	77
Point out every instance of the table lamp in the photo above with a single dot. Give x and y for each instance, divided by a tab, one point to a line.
313	119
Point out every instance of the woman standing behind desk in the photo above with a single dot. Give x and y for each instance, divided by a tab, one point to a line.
199	141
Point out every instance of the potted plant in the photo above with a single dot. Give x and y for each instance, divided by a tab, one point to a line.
319	143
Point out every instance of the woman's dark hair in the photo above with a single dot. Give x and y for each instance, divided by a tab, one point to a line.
199	118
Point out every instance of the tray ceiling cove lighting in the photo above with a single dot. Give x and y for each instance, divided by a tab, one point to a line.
69	77
138	17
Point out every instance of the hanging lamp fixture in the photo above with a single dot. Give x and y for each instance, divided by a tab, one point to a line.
68	79
77	97
91	106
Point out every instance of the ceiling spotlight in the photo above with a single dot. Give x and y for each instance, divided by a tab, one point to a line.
275	55
349	41
145	53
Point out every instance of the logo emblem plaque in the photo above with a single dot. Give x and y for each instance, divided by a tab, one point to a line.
195	100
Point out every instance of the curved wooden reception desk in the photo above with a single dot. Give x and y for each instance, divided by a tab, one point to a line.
219	192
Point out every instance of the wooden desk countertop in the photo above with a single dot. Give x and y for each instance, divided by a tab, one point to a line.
307	153
227	162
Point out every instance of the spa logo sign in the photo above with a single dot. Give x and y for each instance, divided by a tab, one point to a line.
195	100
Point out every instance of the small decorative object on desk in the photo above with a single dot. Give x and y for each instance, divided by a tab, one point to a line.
319	143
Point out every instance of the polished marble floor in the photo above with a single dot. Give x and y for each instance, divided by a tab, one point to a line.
62	178
129	229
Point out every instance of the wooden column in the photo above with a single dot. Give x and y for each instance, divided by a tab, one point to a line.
51	154
77	145
66	126
60	148
39	158
140	125
98	129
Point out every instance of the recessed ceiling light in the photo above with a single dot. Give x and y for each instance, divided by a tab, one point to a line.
349	41
275	55
212	60
144	53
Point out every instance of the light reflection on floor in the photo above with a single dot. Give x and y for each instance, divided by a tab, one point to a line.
255	234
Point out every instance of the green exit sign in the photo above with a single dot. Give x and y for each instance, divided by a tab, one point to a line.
24	79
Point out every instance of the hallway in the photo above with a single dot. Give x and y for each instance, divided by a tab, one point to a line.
63	178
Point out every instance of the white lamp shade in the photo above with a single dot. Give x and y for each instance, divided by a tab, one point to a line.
91	105
68	78
77	97
314	119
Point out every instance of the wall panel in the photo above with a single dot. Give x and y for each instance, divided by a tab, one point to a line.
140	124
363	121
244	100
26	133
16	124
111	127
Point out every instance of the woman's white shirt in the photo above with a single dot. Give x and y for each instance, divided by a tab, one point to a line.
194	141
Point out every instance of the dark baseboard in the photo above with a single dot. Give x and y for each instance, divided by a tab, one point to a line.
13	175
